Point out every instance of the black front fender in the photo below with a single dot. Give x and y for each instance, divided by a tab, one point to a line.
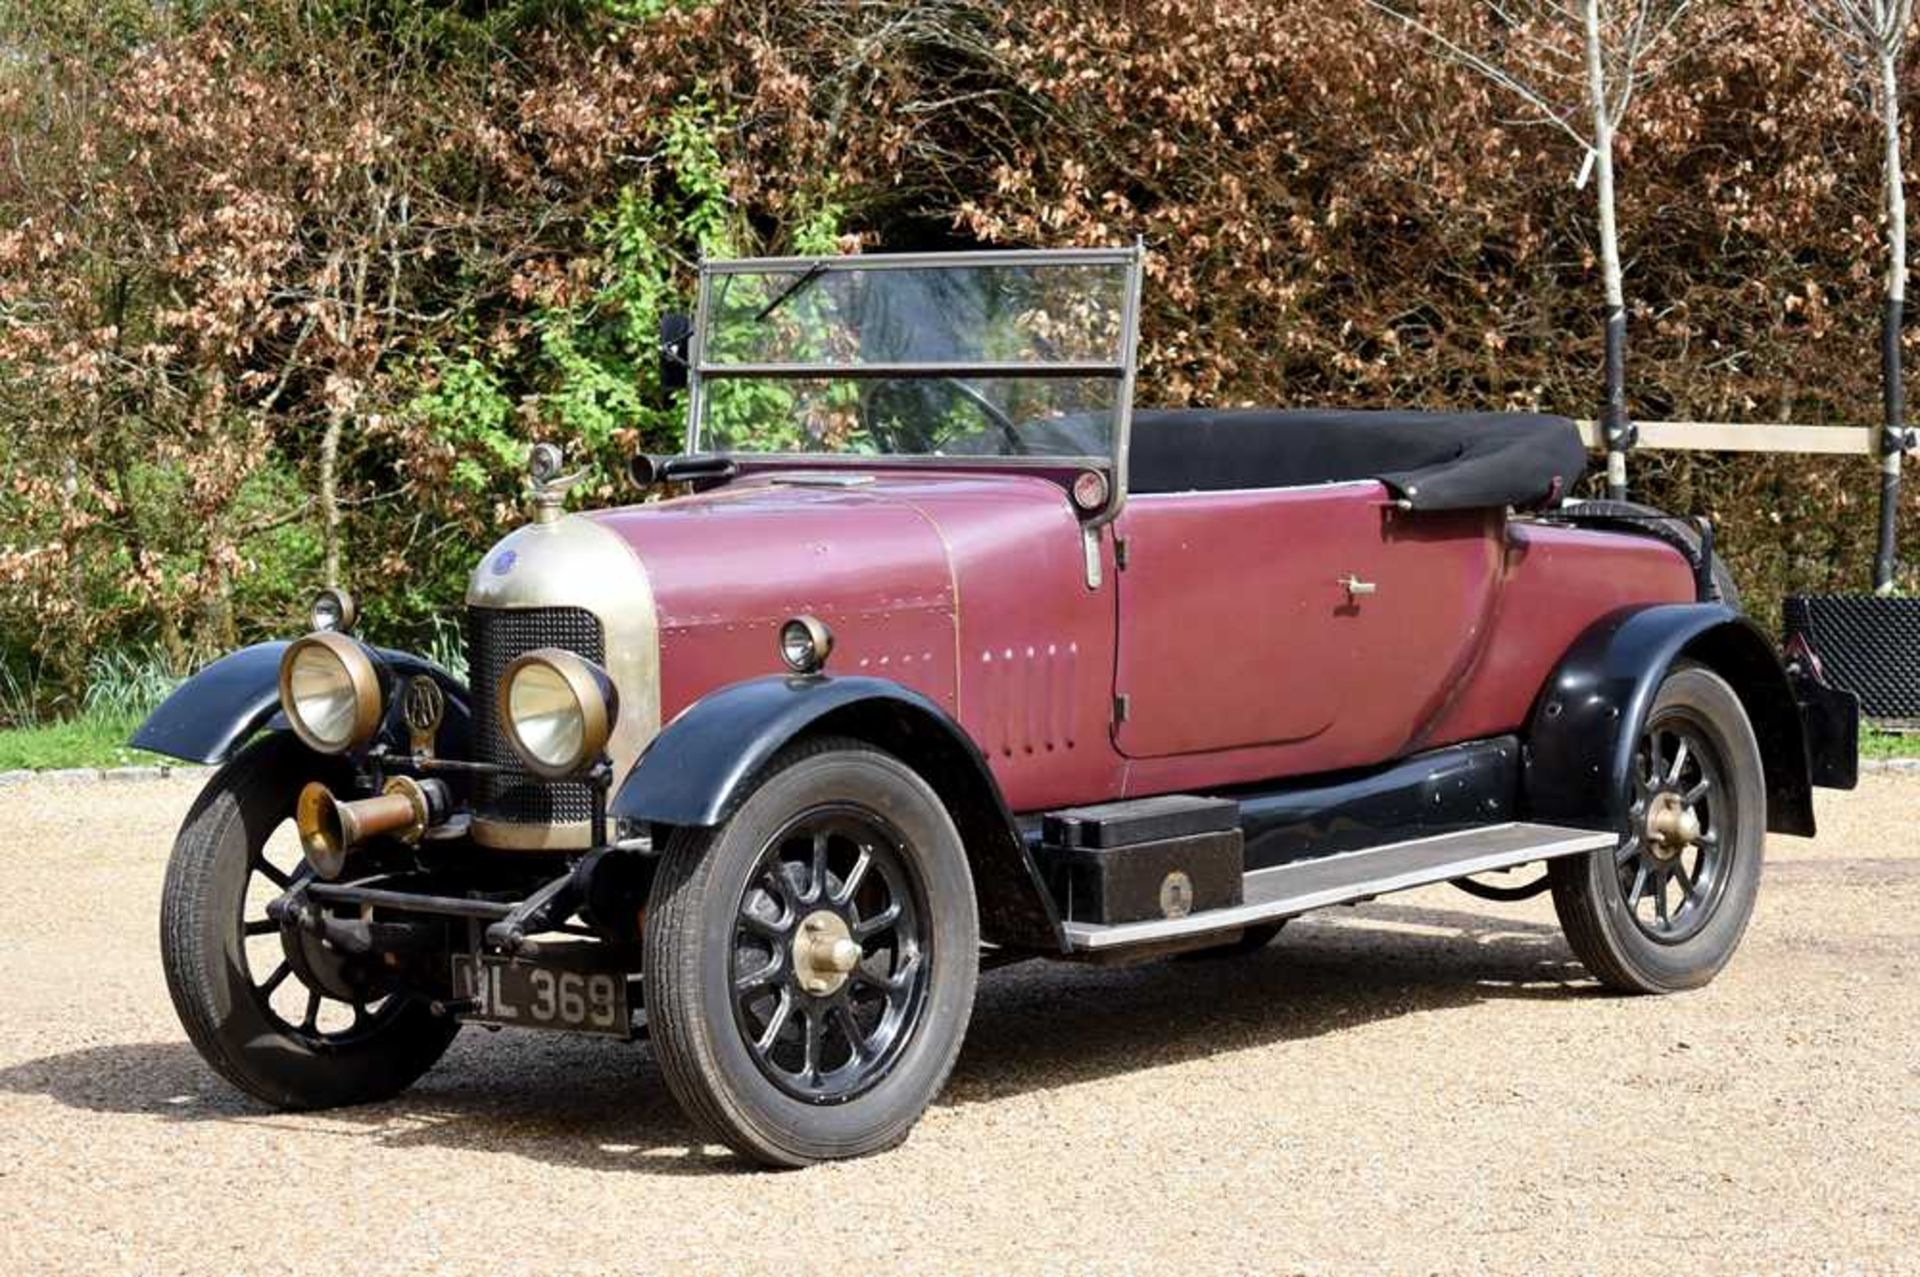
704	763
1586	722
213	713
698	769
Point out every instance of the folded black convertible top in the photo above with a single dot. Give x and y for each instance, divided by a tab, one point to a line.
1431	460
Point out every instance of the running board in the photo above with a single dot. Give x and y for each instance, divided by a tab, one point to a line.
1289	889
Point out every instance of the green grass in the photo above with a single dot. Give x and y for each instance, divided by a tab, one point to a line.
1876	744
123	686
95	739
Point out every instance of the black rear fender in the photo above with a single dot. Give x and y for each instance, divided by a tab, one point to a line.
212	714
705	763
1587	720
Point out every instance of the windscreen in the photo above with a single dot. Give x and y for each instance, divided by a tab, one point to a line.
916	356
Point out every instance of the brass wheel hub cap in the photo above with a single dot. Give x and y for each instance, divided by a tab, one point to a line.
1672	826
824	953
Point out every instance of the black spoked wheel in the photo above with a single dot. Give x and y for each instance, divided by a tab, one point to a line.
299	987
810	964
1671	862
829	960
1666	909
274	1012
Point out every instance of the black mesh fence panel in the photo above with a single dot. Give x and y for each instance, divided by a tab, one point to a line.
1867	644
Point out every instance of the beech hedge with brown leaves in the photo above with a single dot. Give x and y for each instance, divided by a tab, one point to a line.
291	285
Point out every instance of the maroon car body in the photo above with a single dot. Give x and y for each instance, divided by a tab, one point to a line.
932	653
970	589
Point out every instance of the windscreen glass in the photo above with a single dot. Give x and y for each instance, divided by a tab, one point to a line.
944	360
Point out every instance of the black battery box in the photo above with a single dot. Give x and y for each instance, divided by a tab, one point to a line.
1144	858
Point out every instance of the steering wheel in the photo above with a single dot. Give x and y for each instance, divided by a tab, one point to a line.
994	413
916	440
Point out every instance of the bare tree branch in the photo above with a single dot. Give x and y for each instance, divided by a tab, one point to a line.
1491	70
1871	38
1615	40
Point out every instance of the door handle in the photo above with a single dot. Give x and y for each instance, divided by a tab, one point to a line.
1356	587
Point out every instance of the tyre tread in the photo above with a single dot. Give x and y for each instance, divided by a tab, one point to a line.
677	1027
1583	910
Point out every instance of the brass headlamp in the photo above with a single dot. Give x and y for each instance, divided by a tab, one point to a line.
330	691
558	709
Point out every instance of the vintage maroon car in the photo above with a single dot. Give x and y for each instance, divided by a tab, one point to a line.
942	656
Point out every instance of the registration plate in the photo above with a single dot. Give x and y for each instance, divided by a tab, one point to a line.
531	995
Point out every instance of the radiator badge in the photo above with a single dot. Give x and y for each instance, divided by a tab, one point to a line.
503	562
423	706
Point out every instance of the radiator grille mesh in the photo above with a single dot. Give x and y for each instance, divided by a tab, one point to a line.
495	636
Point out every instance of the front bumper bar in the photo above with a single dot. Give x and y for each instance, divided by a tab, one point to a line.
509	924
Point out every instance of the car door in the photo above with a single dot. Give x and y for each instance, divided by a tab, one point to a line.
1319	621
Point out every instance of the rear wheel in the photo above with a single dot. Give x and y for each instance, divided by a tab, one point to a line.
1665	909
810	964
274	1013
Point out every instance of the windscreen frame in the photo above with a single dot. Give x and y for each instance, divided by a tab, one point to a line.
1121	370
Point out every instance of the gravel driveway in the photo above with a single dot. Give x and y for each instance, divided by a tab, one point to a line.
1426	1083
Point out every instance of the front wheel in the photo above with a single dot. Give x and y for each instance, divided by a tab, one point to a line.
810	964
280	1016
1665	909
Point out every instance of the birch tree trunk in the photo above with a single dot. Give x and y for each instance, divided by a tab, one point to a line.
1893	384
330	497
1613	421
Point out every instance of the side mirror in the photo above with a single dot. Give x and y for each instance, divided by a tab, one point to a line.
676	334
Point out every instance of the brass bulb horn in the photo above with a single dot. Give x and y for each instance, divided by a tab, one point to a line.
330	828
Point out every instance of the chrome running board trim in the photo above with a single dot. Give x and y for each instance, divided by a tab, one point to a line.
1285	890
